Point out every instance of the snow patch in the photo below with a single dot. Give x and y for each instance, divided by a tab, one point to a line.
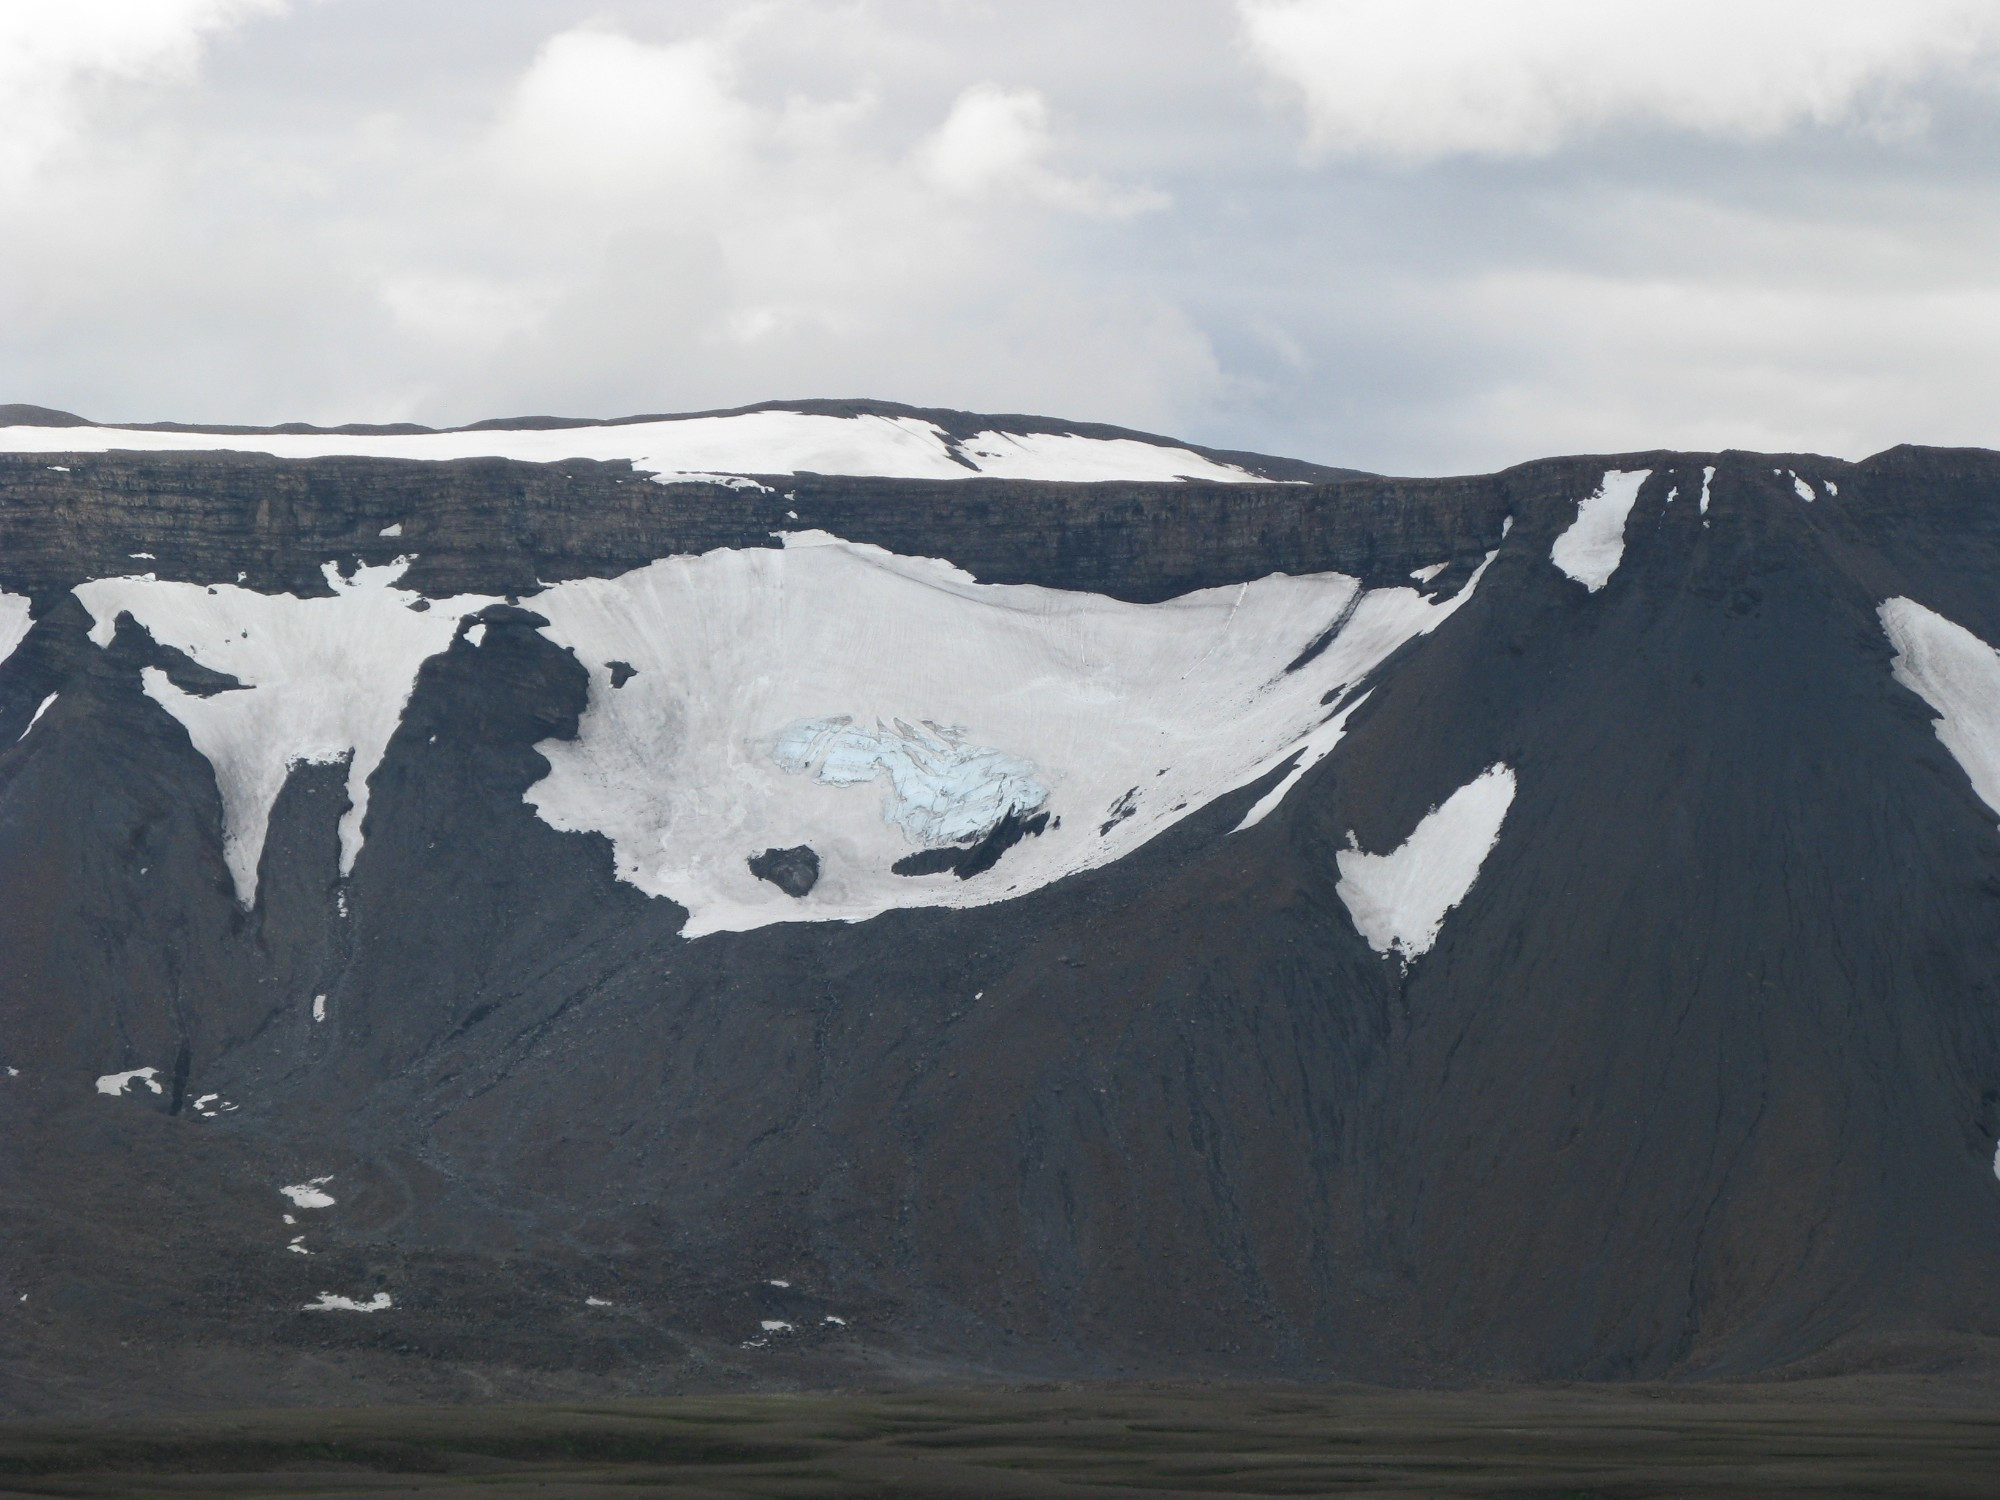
115	1084
1593	546
328	1302
1399	900
963	697
14	622
1958	675
706	449
1804	490
37	718
775	1325
393	530
595	1302
1707	478
310	1194
319	1007
1425	575
324	681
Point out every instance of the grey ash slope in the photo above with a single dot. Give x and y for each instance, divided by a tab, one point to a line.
1703	1076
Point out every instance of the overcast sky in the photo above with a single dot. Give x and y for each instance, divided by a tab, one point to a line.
1417	236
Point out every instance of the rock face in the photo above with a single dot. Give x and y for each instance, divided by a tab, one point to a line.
1668	1042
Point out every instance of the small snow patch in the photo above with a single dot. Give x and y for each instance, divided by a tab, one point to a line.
319	1002
775	1325
1707	478
595	1302
1399	900
1593	546
395	530
842	1322
309	1194
1425	575
328	1302
476	633
785	1284
1805	491
44	708
115	1084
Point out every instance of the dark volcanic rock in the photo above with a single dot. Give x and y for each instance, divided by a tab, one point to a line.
794	871
1699	1079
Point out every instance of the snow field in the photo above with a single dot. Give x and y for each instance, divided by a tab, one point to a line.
327	681
1399	900
1593	546
1126	717
823	693
708	448
1958	675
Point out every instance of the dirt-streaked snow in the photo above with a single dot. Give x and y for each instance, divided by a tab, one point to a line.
1958	675
325	681
1399	900
714	448
1076	704
1593	546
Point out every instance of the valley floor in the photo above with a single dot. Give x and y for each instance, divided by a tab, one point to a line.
1858	1436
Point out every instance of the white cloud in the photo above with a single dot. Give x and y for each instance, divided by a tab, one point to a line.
1420	79
55	56
603	114
996	141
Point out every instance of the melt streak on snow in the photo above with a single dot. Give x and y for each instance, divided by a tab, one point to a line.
762	442
325	681
1593	546
746	656
1958	675
1399	900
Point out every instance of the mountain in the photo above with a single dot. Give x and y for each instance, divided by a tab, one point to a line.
568	909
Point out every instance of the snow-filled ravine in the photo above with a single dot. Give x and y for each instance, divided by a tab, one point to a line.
830	709
741	443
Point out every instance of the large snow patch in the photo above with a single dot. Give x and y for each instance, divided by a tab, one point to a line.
1593	546
1399	900
760	442
1958	675
324	680
869	705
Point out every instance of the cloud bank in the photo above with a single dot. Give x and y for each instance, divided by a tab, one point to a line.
1413	236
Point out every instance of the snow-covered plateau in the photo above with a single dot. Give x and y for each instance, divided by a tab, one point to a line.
704	448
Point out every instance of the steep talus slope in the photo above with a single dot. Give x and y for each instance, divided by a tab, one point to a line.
1699	1077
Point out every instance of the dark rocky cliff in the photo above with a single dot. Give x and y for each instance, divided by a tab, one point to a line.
1701	1078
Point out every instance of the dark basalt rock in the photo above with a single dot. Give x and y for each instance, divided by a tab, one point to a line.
978	857
1699	1080
794	871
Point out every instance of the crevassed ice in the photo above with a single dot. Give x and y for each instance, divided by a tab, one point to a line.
1593	546
1129	716
1958	675
325	680
940	790
1399	900
764	442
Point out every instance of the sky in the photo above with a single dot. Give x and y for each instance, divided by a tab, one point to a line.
1412	236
